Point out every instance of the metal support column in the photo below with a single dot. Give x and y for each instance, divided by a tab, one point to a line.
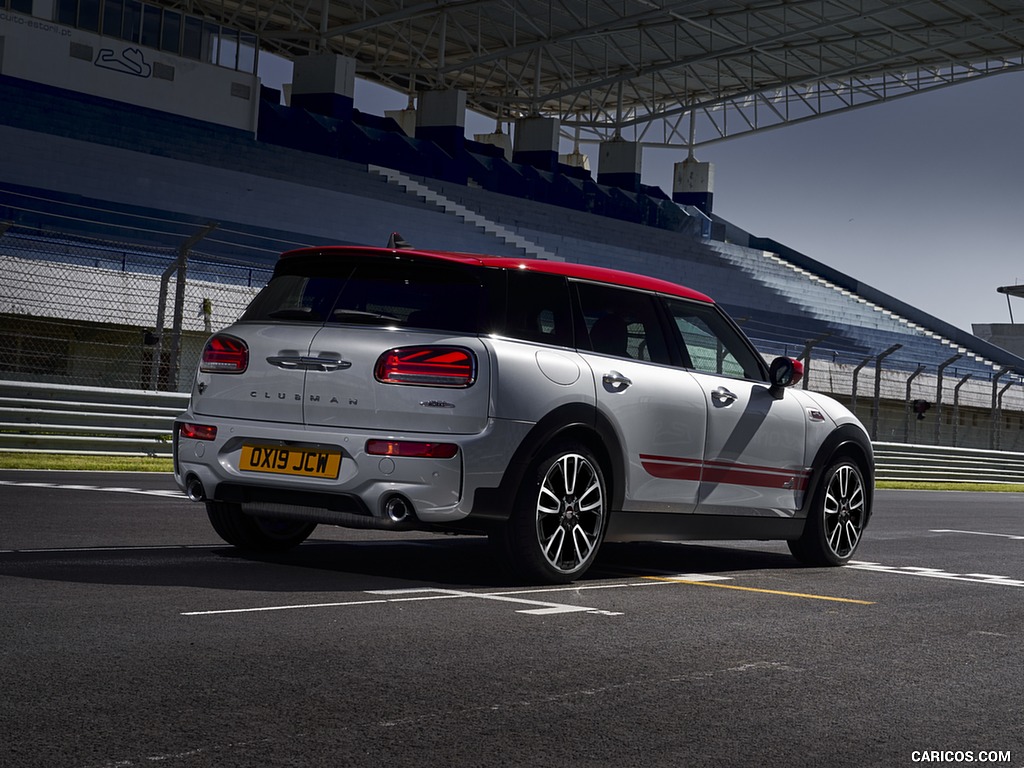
938	397
856	373
806	356
999	416
992	440
877	404
908	409
180	268
956	408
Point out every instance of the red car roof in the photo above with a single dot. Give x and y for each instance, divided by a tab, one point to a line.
581	271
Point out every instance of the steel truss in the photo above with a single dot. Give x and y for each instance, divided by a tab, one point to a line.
662	72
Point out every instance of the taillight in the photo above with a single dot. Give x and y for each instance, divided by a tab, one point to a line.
411	448
224	354
197	431
427	366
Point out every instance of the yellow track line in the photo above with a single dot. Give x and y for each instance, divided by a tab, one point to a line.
754	589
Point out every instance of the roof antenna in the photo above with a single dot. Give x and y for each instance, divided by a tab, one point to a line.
397	241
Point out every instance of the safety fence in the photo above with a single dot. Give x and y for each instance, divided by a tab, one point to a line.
42	418
96	313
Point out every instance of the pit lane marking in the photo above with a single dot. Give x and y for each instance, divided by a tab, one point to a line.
936	573
421	594
175	494
543	609
978	533
707	583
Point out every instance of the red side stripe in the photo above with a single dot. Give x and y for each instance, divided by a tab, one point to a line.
723	472
672	471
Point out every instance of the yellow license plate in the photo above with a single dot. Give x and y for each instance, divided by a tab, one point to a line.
308	462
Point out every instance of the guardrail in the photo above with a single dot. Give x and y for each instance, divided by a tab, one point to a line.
917	463
49	418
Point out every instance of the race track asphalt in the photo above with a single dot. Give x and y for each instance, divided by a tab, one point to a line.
132	636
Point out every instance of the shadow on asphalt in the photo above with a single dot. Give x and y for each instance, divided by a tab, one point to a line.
333	565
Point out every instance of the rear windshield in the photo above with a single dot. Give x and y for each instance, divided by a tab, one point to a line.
374	291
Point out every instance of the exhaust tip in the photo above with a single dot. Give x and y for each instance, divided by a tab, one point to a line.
398	509
194	489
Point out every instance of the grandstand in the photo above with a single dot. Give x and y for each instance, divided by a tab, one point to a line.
94	184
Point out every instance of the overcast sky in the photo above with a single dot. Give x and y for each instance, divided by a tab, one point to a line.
922	198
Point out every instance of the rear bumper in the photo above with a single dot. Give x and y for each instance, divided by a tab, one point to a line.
438	491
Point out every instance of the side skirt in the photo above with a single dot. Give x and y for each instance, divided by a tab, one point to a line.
654	526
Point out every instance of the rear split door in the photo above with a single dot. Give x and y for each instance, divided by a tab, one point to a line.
387	342
276	331
397	381
399	349
261	390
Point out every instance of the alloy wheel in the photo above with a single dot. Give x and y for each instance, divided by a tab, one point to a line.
845	505
570	512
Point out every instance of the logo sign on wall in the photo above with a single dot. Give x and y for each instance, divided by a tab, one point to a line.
129	61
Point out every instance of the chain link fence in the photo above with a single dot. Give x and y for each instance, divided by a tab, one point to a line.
116	315
107	314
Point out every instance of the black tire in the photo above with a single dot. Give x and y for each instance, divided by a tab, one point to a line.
559	518
255	534
836	518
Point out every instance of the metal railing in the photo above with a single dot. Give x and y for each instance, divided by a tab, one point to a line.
43	418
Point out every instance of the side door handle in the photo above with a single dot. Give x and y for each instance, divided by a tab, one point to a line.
615	381
722	396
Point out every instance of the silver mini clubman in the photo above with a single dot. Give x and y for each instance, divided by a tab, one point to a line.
550	406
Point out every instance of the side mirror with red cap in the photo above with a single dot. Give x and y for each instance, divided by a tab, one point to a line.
784	372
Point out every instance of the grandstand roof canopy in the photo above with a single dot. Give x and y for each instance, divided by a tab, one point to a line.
676	72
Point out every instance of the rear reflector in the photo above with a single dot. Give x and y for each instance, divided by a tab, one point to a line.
224	354
427	366
411	448
197	431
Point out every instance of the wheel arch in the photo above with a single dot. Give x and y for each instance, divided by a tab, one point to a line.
847	441
576	421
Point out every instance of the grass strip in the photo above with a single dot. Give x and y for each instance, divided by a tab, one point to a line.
71	462
58	461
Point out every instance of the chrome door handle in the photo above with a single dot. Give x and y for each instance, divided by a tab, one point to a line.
304	363
723	396
615	381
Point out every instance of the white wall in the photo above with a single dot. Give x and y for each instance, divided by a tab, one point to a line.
46	52
59	290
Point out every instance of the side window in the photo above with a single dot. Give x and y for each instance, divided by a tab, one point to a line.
539	308
622	323
710	343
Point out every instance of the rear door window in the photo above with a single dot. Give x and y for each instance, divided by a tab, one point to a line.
539	309
622	323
